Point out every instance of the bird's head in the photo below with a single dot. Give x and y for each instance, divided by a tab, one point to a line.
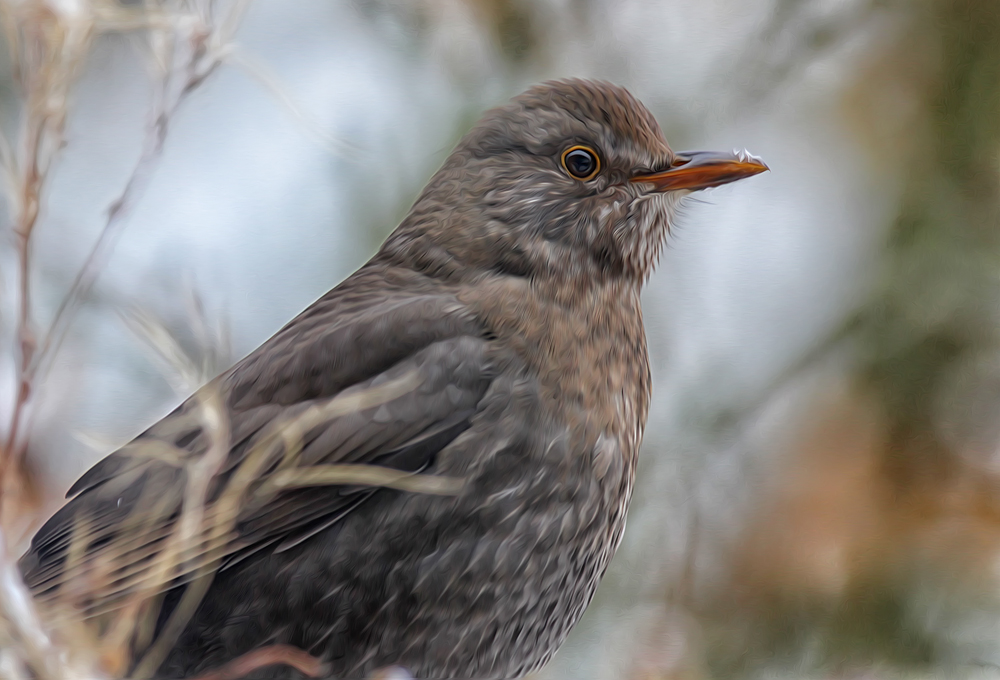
571	178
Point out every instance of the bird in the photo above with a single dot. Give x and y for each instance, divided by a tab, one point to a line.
489	363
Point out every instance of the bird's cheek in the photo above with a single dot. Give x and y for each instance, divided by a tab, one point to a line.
612	215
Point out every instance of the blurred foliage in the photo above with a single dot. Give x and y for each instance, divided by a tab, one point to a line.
926	335
940	277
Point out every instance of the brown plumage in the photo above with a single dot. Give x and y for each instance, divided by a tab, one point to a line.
496	338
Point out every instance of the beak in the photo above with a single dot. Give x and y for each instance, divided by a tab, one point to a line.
703	169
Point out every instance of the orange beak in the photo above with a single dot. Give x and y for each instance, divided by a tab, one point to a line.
703	169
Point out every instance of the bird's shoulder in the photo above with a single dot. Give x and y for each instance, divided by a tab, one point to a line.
374	319
386	369
377	320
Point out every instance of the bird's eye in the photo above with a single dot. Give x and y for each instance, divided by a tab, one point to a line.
581	162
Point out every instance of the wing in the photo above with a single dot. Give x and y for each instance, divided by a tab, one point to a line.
388	384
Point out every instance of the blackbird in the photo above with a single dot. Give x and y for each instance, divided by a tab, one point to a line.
491	355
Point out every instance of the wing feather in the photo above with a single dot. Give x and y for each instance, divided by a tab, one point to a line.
389	385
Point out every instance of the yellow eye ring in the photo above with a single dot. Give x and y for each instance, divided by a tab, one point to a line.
581	162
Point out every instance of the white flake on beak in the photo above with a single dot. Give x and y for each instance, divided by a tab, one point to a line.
745	156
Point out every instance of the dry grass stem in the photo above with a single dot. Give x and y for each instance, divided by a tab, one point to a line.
366	475
28	649
304	663
263	75
183	535
49	42
95	614
187	44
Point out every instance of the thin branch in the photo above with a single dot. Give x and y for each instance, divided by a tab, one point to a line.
198	65
365	475
263	75
49	42
273	655
47	47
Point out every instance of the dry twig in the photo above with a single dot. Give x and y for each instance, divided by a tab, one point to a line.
96	611
49	42
304	663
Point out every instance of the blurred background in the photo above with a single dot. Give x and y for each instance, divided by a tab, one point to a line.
819	489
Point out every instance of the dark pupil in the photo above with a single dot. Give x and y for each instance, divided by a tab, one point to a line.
581	163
